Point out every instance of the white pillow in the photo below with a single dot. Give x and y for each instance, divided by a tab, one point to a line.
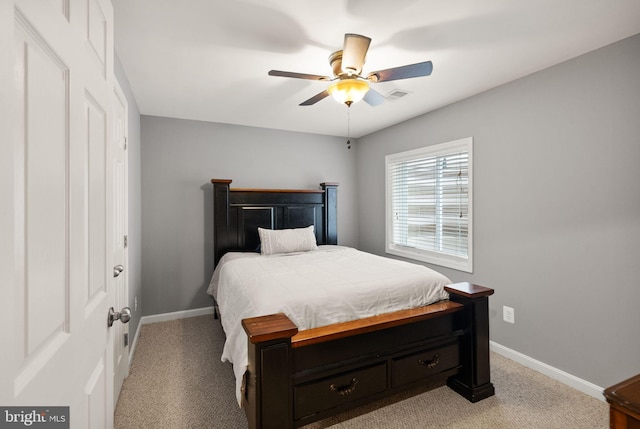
274	241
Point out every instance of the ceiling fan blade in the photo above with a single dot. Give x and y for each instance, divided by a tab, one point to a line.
315	98
297	75
354	53
403	72
374	98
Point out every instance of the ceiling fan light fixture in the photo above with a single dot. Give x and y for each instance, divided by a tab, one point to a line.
348	91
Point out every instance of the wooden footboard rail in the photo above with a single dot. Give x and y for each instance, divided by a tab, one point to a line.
295	378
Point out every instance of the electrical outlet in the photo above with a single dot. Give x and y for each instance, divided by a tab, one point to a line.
508	314
135	303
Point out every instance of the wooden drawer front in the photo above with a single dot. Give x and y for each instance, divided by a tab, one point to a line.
424	364
319	355
333	391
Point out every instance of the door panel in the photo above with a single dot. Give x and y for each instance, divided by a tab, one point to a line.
96	34
96	391
95	117
43	197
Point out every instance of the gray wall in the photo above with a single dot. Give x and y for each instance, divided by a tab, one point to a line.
134	266
179	159
556	207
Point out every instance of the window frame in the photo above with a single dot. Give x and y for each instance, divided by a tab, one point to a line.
431	256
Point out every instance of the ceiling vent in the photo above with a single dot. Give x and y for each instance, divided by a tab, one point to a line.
396	94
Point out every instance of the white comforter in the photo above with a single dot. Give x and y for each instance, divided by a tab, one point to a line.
330	285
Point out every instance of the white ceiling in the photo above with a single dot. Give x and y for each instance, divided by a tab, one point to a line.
208	59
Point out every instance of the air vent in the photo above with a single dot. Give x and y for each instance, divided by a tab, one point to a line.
397	93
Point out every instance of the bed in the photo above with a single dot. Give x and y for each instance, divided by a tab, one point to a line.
295	371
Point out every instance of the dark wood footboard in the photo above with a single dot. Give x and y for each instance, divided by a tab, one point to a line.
295	378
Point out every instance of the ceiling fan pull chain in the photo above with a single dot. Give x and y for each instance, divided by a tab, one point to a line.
348	127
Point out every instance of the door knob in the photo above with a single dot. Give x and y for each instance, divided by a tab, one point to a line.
117	270
124	315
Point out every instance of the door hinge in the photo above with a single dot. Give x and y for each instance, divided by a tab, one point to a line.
126	241
124	138
126	340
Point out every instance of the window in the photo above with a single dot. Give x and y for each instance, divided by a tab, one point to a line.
429	202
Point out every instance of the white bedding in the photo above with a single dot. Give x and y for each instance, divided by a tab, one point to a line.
330	285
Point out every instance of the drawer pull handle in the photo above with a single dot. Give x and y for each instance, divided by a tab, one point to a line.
430	363
345	390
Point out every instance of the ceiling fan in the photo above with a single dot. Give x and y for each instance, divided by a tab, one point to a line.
348	84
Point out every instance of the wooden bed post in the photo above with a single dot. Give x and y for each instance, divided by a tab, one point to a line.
474	380
268	387
220	217
330	212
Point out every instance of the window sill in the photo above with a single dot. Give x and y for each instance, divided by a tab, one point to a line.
460	264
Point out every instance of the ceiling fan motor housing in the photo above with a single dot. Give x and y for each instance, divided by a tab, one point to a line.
335	59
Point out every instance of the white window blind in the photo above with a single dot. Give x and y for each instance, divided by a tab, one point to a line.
429	204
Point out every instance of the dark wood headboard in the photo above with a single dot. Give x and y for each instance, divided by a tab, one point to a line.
237	214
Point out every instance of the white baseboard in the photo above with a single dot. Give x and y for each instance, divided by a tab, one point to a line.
132	344
164	317
555	373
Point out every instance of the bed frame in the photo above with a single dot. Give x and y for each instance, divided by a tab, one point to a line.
297	377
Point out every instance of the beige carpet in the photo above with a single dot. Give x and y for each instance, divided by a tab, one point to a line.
178	381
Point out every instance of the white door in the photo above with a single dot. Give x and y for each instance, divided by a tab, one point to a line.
56	76
119	236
